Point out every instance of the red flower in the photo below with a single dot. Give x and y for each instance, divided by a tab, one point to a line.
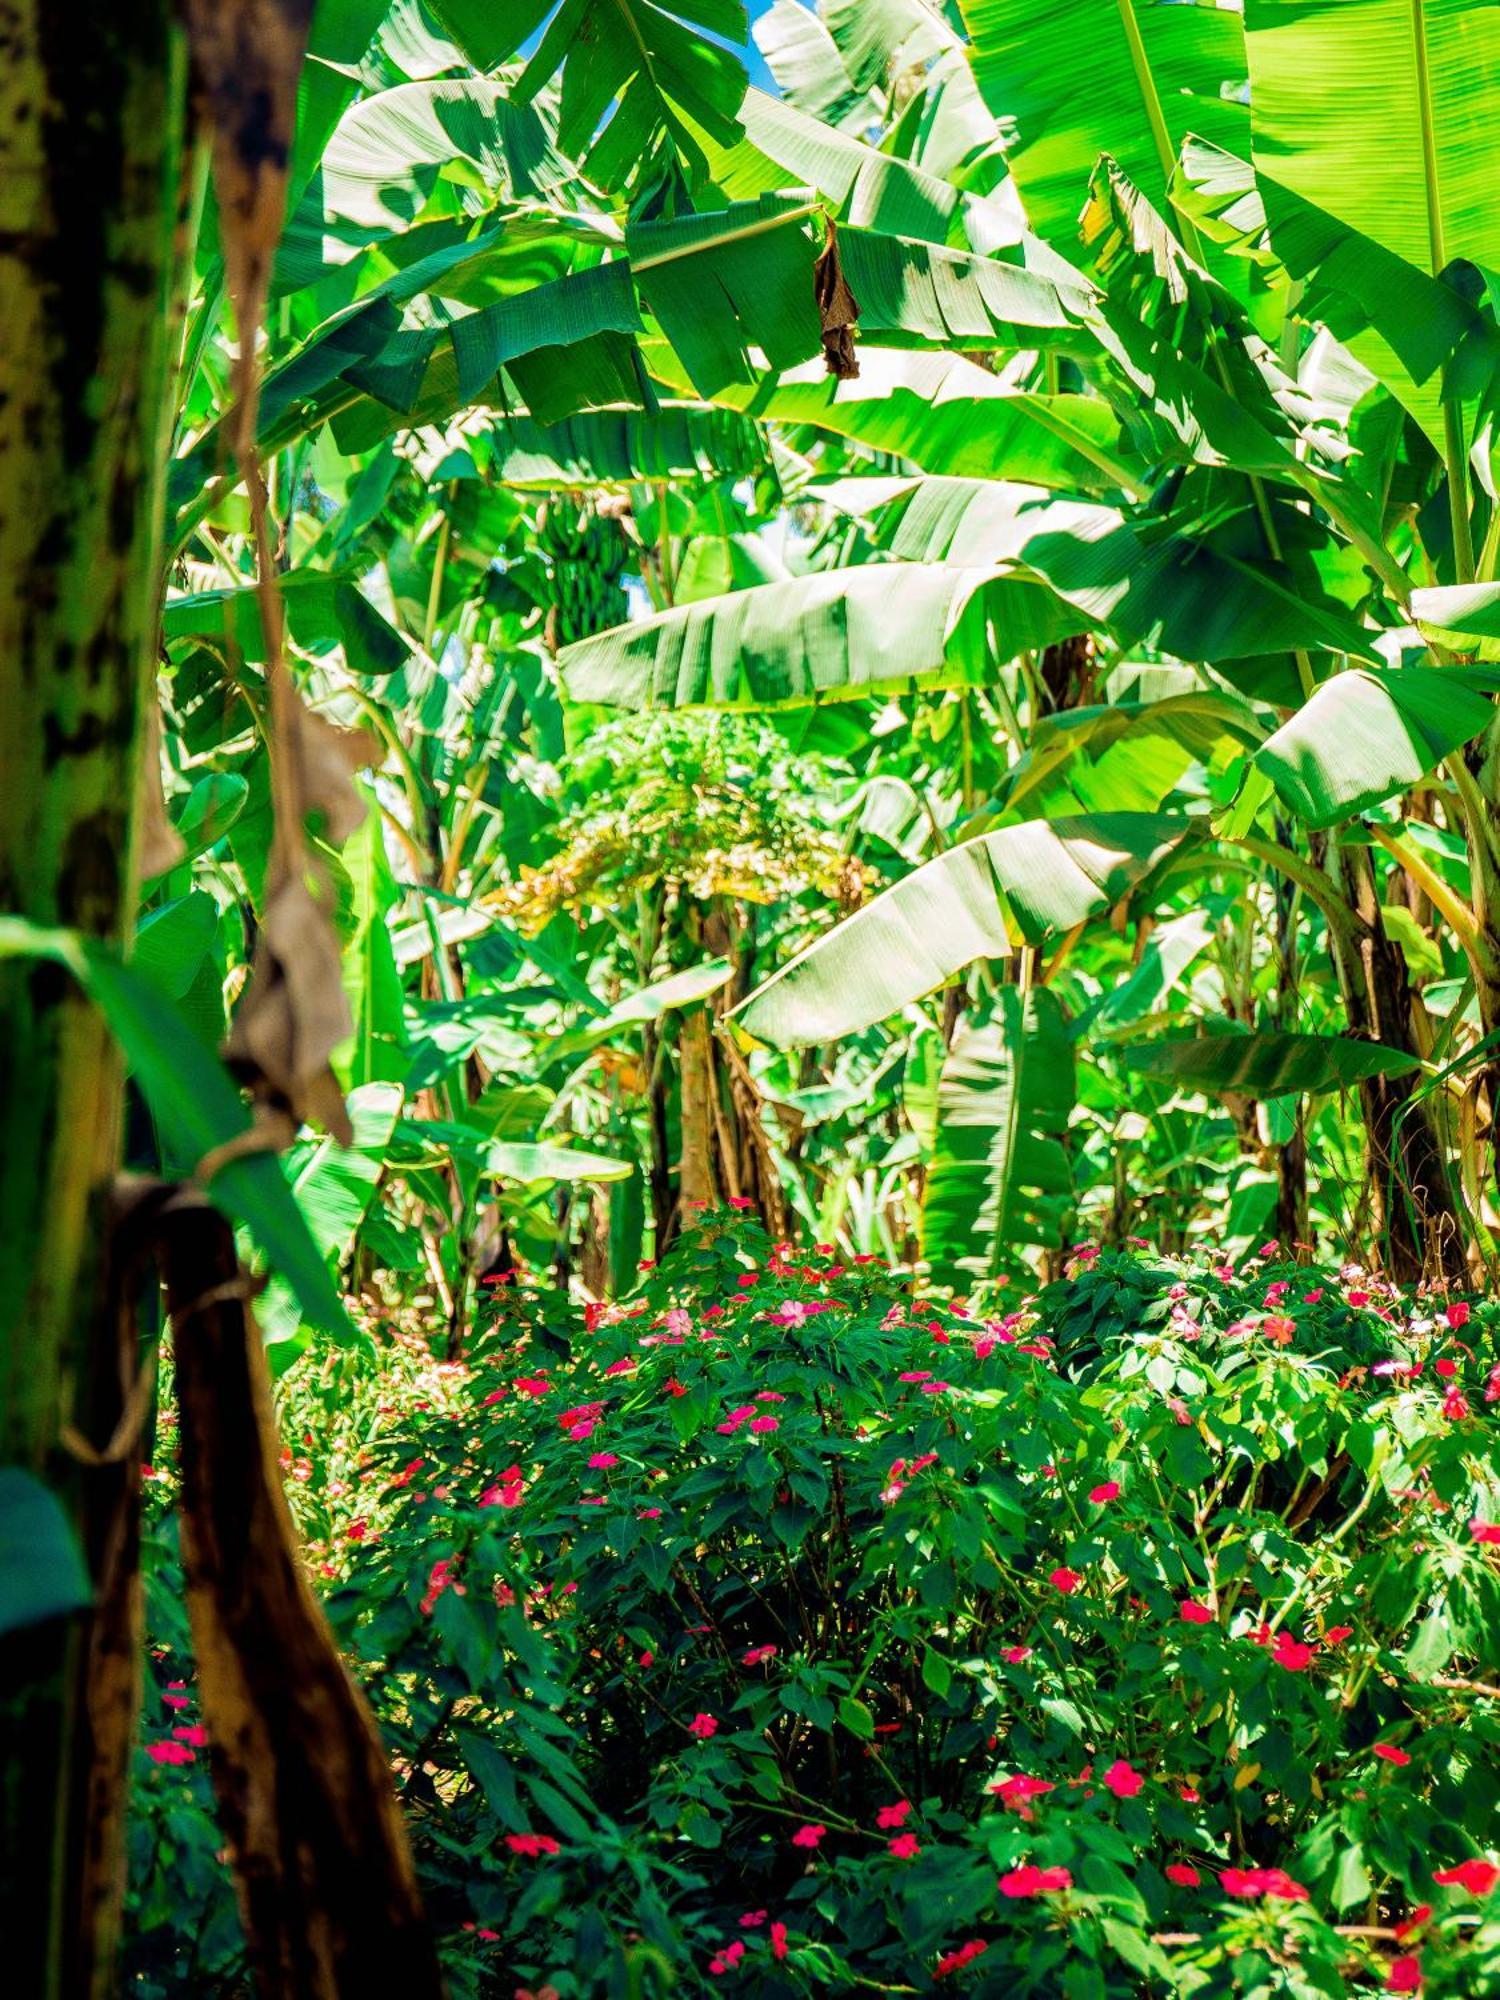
192	1733
1065	1580
758	1654
1122	1780
752	1920
808	1836
602	1461
904	1847
1015	1793
1014	1655
1337	1634
1251	1882
955	1961
1291	1653
1414	1922
703	1726
895	1815
1278	1328
1477	1876
1109	1490
1180	1873
1029	1880
1391	1754
1487	1532
778	1940
1192	1612
1457	1314
531	1844
1405	1975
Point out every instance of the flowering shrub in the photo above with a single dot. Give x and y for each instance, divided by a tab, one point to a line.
787	1633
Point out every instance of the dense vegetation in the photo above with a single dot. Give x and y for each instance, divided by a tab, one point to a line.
749	982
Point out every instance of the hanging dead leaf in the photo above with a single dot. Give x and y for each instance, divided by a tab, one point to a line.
246	61
294	1014
326	759
837	309
161	845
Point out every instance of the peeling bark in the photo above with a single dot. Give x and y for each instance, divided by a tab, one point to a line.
327	1893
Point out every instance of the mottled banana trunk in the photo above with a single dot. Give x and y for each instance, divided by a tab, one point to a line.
92	106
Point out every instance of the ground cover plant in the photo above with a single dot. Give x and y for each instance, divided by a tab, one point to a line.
789	1629
634	631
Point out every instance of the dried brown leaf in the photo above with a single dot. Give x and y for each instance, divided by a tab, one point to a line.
837	309
295	1012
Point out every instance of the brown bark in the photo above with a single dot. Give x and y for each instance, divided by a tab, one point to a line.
326	1888
1416	1223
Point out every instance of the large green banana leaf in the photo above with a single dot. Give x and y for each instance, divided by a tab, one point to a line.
451	146
1018	884
808	68
1364	736
943	413
1382	113
1267	1063
633	72
842	632
1078	78
1000	1175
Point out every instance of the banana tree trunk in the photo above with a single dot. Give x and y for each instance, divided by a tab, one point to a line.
92	108
1415	1218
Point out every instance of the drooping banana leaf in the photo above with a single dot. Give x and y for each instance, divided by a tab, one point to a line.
808	68
1463	617
1364	736
882	626
1018	884
1265	1063
616	447
1400	323
1000	1176
1148	585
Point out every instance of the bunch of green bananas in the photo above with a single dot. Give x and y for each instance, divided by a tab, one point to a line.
587	554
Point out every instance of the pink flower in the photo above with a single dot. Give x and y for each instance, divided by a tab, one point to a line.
170	1753
1110	1490
1252	1882
1391	1754
889	1816
808	1836
1180	1873
602	1461
703	1726
1477	1876
1029	1880
1014	1655
531	1844
1487	1532
192	1733
1065	1580
1191	1612
904	1847
778	1940
762	1425
1122	1780
757	1655
1405	1974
